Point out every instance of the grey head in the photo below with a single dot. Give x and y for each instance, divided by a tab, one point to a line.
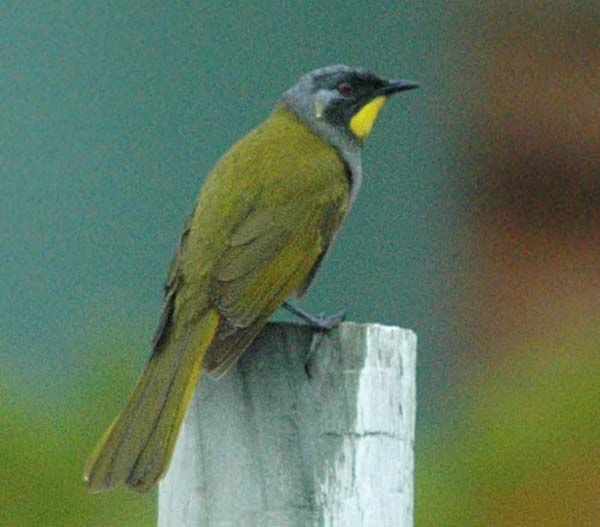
327	99
331	100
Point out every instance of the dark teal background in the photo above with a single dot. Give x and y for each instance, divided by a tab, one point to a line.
111	115
114	112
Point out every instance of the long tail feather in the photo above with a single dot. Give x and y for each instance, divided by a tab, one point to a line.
137	448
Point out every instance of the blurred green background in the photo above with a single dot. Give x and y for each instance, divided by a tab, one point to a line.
477	226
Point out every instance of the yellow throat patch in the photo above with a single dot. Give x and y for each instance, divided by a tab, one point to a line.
362	121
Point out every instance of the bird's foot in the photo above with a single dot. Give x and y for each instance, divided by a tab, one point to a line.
321	323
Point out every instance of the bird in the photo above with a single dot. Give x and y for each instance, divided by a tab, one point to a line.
264	219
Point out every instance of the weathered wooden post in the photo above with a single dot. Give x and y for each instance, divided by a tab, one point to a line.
269	446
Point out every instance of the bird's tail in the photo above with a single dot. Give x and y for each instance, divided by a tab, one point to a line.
137	448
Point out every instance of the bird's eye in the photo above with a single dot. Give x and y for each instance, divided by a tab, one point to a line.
346	89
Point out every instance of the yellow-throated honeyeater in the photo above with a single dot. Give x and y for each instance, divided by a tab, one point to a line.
265	217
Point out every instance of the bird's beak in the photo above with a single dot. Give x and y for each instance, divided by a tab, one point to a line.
395	86
364	118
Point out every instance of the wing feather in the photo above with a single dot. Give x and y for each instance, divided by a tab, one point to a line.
252	279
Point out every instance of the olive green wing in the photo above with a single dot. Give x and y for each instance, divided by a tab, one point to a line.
270	255
165	324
